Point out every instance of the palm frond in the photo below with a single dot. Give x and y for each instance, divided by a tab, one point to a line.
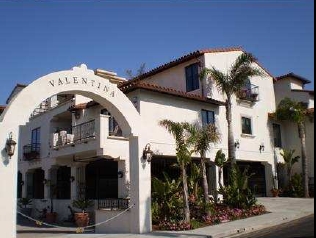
244	59
220	79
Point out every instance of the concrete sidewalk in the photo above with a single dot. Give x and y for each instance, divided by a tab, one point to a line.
281	210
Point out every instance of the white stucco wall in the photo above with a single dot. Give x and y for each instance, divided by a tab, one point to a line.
283	88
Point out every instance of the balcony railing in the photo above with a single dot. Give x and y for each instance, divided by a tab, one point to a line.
32	151
48	104
113	204
249	94
84	131
79	133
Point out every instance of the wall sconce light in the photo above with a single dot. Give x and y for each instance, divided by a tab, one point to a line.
147	153
46	181
237	144
261	148
120	174
10	146
71	179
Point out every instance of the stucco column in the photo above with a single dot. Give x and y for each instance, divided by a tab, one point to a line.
47	176
140	187
73	184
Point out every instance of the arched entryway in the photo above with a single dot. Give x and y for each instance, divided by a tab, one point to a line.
83	82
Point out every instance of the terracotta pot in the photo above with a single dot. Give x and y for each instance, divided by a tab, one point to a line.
51	217
82	219
275	192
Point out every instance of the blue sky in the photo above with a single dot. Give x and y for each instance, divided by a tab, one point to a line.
39	37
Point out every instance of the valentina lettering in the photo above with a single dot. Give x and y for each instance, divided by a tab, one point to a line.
83	81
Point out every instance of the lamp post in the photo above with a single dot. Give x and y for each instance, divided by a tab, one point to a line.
10	146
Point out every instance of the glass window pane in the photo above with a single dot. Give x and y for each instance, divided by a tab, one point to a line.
246	125
192	77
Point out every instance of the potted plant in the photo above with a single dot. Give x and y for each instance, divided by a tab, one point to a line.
23	204
82	218
51	216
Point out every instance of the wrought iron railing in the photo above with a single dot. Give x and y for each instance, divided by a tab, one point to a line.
113	203
48	105
32	151
249	94
84	131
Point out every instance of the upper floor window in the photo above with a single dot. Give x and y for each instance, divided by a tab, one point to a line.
192	77
246	125
277	135
36	136
208	117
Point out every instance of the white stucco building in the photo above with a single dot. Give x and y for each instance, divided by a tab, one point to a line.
85	148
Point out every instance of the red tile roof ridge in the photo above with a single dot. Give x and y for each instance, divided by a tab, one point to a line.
186	58
291	74
170	91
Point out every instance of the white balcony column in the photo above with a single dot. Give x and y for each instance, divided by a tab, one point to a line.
73	184
140	177
102	129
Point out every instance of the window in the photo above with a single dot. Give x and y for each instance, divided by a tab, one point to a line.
36	140
246	125
36	136
208	117
277	135
192	77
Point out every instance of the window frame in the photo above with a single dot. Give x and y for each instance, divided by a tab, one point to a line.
35	140
208	112
192	77
251	125
279	144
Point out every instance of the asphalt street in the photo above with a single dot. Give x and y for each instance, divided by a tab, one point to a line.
301	228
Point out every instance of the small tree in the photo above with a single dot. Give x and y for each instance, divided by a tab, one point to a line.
141	70
230	83
289	161
296	112
183	157
201	139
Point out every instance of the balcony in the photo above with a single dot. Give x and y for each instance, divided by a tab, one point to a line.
250	93
95	138
52	103
32	151
79	133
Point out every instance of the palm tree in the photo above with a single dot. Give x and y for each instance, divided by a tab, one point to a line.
296	112
201	139
231	83
289	161
178	131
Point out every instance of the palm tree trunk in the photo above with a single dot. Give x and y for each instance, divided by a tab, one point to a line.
185	194
220	177
302	132
205	183
231	140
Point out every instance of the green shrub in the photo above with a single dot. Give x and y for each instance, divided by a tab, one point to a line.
167	202
238	194
296	187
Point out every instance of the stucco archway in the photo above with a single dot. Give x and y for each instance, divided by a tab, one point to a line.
83	81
